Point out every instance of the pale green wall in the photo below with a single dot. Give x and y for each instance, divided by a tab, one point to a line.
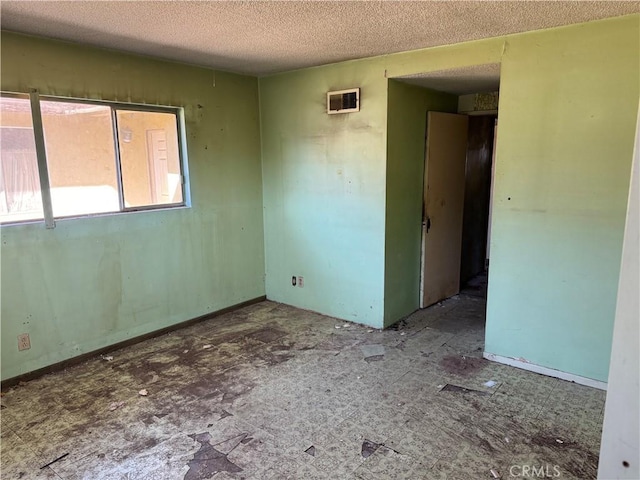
568	102
407	107
564	153
95	281
324	184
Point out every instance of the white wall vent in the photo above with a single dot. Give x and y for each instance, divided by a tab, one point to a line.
343	101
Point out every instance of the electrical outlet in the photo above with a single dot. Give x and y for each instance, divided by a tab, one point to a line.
301	282
24	343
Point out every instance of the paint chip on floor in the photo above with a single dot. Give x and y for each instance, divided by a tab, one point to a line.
225	414
371	350
208	460
115	405
243	376
457	389
368	448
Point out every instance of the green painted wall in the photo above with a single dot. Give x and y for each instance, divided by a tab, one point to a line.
324	187
407	107
568	104
92	282
565	141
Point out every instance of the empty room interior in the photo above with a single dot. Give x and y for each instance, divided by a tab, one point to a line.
319	240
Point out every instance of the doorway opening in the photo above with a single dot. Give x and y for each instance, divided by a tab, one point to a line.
458	181
476	219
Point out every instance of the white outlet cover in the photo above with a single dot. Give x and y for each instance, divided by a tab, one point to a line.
301	282
24	342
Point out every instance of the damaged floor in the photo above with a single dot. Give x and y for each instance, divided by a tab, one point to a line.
274	392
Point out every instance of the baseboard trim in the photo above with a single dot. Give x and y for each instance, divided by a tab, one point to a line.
549	372
56	367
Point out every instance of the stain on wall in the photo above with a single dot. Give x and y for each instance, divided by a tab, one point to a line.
562	171
92	282
324	188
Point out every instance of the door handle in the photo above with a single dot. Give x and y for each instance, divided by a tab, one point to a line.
428	224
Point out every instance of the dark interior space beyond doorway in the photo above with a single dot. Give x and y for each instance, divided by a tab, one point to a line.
476	286
477	196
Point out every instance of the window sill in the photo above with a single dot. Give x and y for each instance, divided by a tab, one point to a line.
130	211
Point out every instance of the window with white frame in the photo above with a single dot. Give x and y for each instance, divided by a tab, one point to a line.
95	157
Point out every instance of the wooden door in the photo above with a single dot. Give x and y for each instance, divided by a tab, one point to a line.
445	159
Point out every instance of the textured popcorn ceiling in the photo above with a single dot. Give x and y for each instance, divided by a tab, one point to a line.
460	81
266	37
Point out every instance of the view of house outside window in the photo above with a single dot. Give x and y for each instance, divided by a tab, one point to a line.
100	158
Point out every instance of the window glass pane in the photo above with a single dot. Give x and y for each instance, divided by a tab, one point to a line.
149	157
20	197
81	158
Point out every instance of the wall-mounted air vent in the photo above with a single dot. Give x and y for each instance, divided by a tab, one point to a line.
343	101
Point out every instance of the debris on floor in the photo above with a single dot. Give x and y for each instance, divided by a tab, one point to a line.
373	353
302	399
208	460
115	405
398	326
457	389
369	448
462	365
143	392
54	461
225	414
490	383
374	358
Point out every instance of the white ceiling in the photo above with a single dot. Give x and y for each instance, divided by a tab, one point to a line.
263	37
459	81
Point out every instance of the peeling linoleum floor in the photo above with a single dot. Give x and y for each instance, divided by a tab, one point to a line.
274	392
